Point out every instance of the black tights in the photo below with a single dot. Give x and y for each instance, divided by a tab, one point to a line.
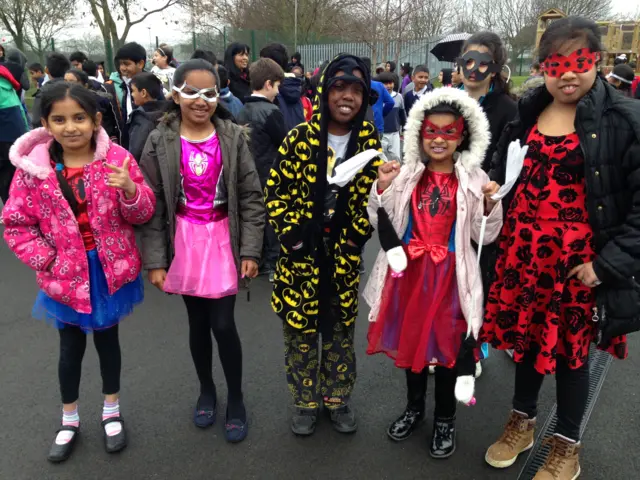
444	391
73	343
572	391
207	315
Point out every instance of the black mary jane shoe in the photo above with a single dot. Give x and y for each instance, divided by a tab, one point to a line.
443	440
404	425
60	453
114	443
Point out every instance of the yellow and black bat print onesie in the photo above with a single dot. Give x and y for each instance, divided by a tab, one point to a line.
317	276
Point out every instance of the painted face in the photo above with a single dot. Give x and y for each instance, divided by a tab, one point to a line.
442	134
569	75
70	125
193	107
580	61
345	98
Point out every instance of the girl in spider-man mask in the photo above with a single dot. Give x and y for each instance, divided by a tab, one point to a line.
569	254
425	291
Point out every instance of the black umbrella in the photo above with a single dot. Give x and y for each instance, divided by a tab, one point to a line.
448	49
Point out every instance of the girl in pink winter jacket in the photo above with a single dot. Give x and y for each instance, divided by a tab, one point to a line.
435	202
72	202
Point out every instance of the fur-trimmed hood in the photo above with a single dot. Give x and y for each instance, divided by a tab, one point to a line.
476	123
31	151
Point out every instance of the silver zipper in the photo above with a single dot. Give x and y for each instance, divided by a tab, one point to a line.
595	316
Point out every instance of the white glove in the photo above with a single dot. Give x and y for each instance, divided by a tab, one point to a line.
515	160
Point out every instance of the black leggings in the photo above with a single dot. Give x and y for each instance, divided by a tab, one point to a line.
217	315
73	343
572	391
444	391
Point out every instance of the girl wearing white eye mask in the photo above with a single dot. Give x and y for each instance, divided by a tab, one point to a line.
207	231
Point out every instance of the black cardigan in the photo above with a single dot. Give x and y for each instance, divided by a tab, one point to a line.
608	126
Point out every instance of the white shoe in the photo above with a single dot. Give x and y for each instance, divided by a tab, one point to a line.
432	369
478	369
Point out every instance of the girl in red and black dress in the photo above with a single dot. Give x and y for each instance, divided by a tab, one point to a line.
568	250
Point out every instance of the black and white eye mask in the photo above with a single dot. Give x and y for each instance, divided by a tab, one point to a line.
478	64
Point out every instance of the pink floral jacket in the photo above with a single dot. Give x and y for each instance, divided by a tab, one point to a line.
43	232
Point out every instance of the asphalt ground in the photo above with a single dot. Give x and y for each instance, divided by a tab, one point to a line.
159	389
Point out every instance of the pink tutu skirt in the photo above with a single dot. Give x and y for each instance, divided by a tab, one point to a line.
203	265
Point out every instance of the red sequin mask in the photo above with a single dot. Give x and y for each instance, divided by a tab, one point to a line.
453	131
580	61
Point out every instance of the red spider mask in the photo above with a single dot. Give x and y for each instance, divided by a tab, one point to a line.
580	61
453	131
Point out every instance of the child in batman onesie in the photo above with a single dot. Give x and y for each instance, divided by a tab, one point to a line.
322	229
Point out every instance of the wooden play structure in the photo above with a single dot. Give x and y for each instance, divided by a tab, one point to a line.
617	37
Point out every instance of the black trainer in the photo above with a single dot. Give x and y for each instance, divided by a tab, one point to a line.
403	426
304	420
343	419
443	440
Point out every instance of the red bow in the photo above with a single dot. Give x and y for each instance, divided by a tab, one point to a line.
417	248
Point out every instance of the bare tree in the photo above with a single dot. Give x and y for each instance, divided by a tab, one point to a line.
44	23
130	12
89	43
593	9
13	15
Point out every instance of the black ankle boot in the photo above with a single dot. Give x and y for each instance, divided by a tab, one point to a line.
443	440
404	425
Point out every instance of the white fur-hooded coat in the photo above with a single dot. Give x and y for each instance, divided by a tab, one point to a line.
396	200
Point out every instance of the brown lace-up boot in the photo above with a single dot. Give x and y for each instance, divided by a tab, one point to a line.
562	462
516	438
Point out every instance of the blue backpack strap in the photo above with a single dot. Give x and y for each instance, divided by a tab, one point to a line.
409	231
452	238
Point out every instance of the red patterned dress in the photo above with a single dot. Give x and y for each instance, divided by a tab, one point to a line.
420	321
533	307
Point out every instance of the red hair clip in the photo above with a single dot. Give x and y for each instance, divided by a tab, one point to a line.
580	61
453	131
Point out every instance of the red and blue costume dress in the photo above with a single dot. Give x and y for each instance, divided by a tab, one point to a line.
533	307
106	310
420	322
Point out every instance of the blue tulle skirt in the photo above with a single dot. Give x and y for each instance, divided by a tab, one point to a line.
106	310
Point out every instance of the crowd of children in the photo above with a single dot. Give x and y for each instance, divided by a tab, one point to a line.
227	171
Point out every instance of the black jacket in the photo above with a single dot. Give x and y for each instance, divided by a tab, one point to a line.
608	125
112	121
500	109
141	123
267	131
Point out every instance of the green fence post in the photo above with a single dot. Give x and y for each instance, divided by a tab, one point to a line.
157	42
193	37
253	45
521	55
224	38
53	45
109	53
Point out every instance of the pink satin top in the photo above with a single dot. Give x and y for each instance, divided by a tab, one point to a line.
200	169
